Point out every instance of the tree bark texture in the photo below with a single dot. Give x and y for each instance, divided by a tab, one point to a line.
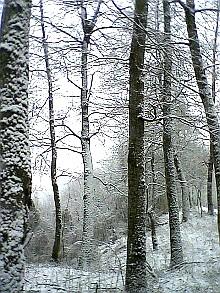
87	251
151	215
184	189
175	236
205	93
151	212
53	168
136	241
153	191
210	180
15	170
211	161
87	241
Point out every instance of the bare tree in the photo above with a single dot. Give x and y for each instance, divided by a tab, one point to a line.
88	217
15	172
214	76
204	92
53	166
175	236
151	210
184	191
136	241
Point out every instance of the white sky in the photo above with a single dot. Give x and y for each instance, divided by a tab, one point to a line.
1	5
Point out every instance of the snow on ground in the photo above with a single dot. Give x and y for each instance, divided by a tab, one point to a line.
65	279
199	273
201	270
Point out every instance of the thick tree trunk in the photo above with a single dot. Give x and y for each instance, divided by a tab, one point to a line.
87	249
15	171
175	236
184	189
205	93
136	241
53	169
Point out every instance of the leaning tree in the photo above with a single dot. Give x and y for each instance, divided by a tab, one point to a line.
204	91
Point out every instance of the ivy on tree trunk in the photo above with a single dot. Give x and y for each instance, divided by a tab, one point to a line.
15	170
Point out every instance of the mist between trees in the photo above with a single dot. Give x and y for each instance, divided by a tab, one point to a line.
109	145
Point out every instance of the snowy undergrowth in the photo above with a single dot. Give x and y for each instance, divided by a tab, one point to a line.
199	273
65	279
201	269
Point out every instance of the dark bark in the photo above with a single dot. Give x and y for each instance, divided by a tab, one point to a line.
15	171
199	200
175	236
153	191
151	213
211	160
153	230
190	198
184	189
205	93
210	180
136	241
53	168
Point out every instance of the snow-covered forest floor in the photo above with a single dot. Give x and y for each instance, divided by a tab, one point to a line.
199	273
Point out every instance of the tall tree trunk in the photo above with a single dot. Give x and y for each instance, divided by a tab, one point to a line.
190	198
204	92
87	251
15	170
175	236
53	168
87	242
151	212
210	180
136	241
153	191
151	215
184	189
210	163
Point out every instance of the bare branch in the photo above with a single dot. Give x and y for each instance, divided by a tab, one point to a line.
70	129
